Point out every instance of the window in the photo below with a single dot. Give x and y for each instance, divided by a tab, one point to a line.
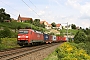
23	32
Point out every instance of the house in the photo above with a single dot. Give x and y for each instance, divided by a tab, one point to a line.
58	26
7	21
23	19
47	26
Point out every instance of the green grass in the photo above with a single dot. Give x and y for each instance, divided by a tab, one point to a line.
6	43
70	31
15	25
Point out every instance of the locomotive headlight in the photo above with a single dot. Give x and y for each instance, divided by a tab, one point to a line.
18	36
26	36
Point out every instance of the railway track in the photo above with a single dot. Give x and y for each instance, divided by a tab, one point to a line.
20	52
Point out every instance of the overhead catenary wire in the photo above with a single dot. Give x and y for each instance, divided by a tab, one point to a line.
9	6
31	9
32	3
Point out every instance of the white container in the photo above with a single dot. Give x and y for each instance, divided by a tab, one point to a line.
53	38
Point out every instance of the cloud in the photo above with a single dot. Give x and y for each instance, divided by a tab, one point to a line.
85	9
86	24
47	7
73	3
41	13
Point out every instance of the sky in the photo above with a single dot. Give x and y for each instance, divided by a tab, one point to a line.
59	11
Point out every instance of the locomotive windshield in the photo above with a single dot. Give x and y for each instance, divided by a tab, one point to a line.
23	32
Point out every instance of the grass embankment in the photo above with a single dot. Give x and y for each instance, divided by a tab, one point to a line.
70	51
6	43
70	31
18	25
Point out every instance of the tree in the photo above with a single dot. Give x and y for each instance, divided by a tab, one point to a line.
4	15
53	24
42	25
80	37
87	31
73	26
29	21
37	22
80	27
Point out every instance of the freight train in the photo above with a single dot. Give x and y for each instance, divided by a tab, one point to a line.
30	37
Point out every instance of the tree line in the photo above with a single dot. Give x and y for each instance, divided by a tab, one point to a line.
4	15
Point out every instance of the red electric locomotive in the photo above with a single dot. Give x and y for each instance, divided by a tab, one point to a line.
29	36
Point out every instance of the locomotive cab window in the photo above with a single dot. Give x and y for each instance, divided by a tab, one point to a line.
23	32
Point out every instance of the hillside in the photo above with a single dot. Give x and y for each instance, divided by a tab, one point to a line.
52	31
17	25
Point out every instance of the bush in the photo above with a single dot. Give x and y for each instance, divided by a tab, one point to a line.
0	40
5	33
80	37
7	43
88	38
69	51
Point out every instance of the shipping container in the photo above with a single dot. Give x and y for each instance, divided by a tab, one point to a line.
59	38
64	39
46	37
53	38
50	38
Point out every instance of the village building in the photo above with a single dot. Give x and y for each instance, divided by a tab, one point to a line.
47	25
23	19
59	26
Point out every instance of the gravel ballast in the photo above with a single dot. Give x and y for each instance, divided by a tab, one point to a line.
39	55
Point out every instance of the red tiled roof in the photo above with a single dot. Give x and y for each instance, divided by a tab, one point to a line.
43	22
58	25
49	25
25	18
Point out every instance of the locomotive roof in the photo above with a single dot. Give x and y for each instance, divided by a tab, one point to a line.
32	30
25	29
38	32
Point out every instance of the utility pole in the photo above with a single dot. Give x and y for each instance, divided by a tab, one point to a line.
67	31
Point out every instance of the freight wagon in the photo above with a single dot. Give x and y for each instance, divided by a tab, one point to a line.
61	39
47	38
